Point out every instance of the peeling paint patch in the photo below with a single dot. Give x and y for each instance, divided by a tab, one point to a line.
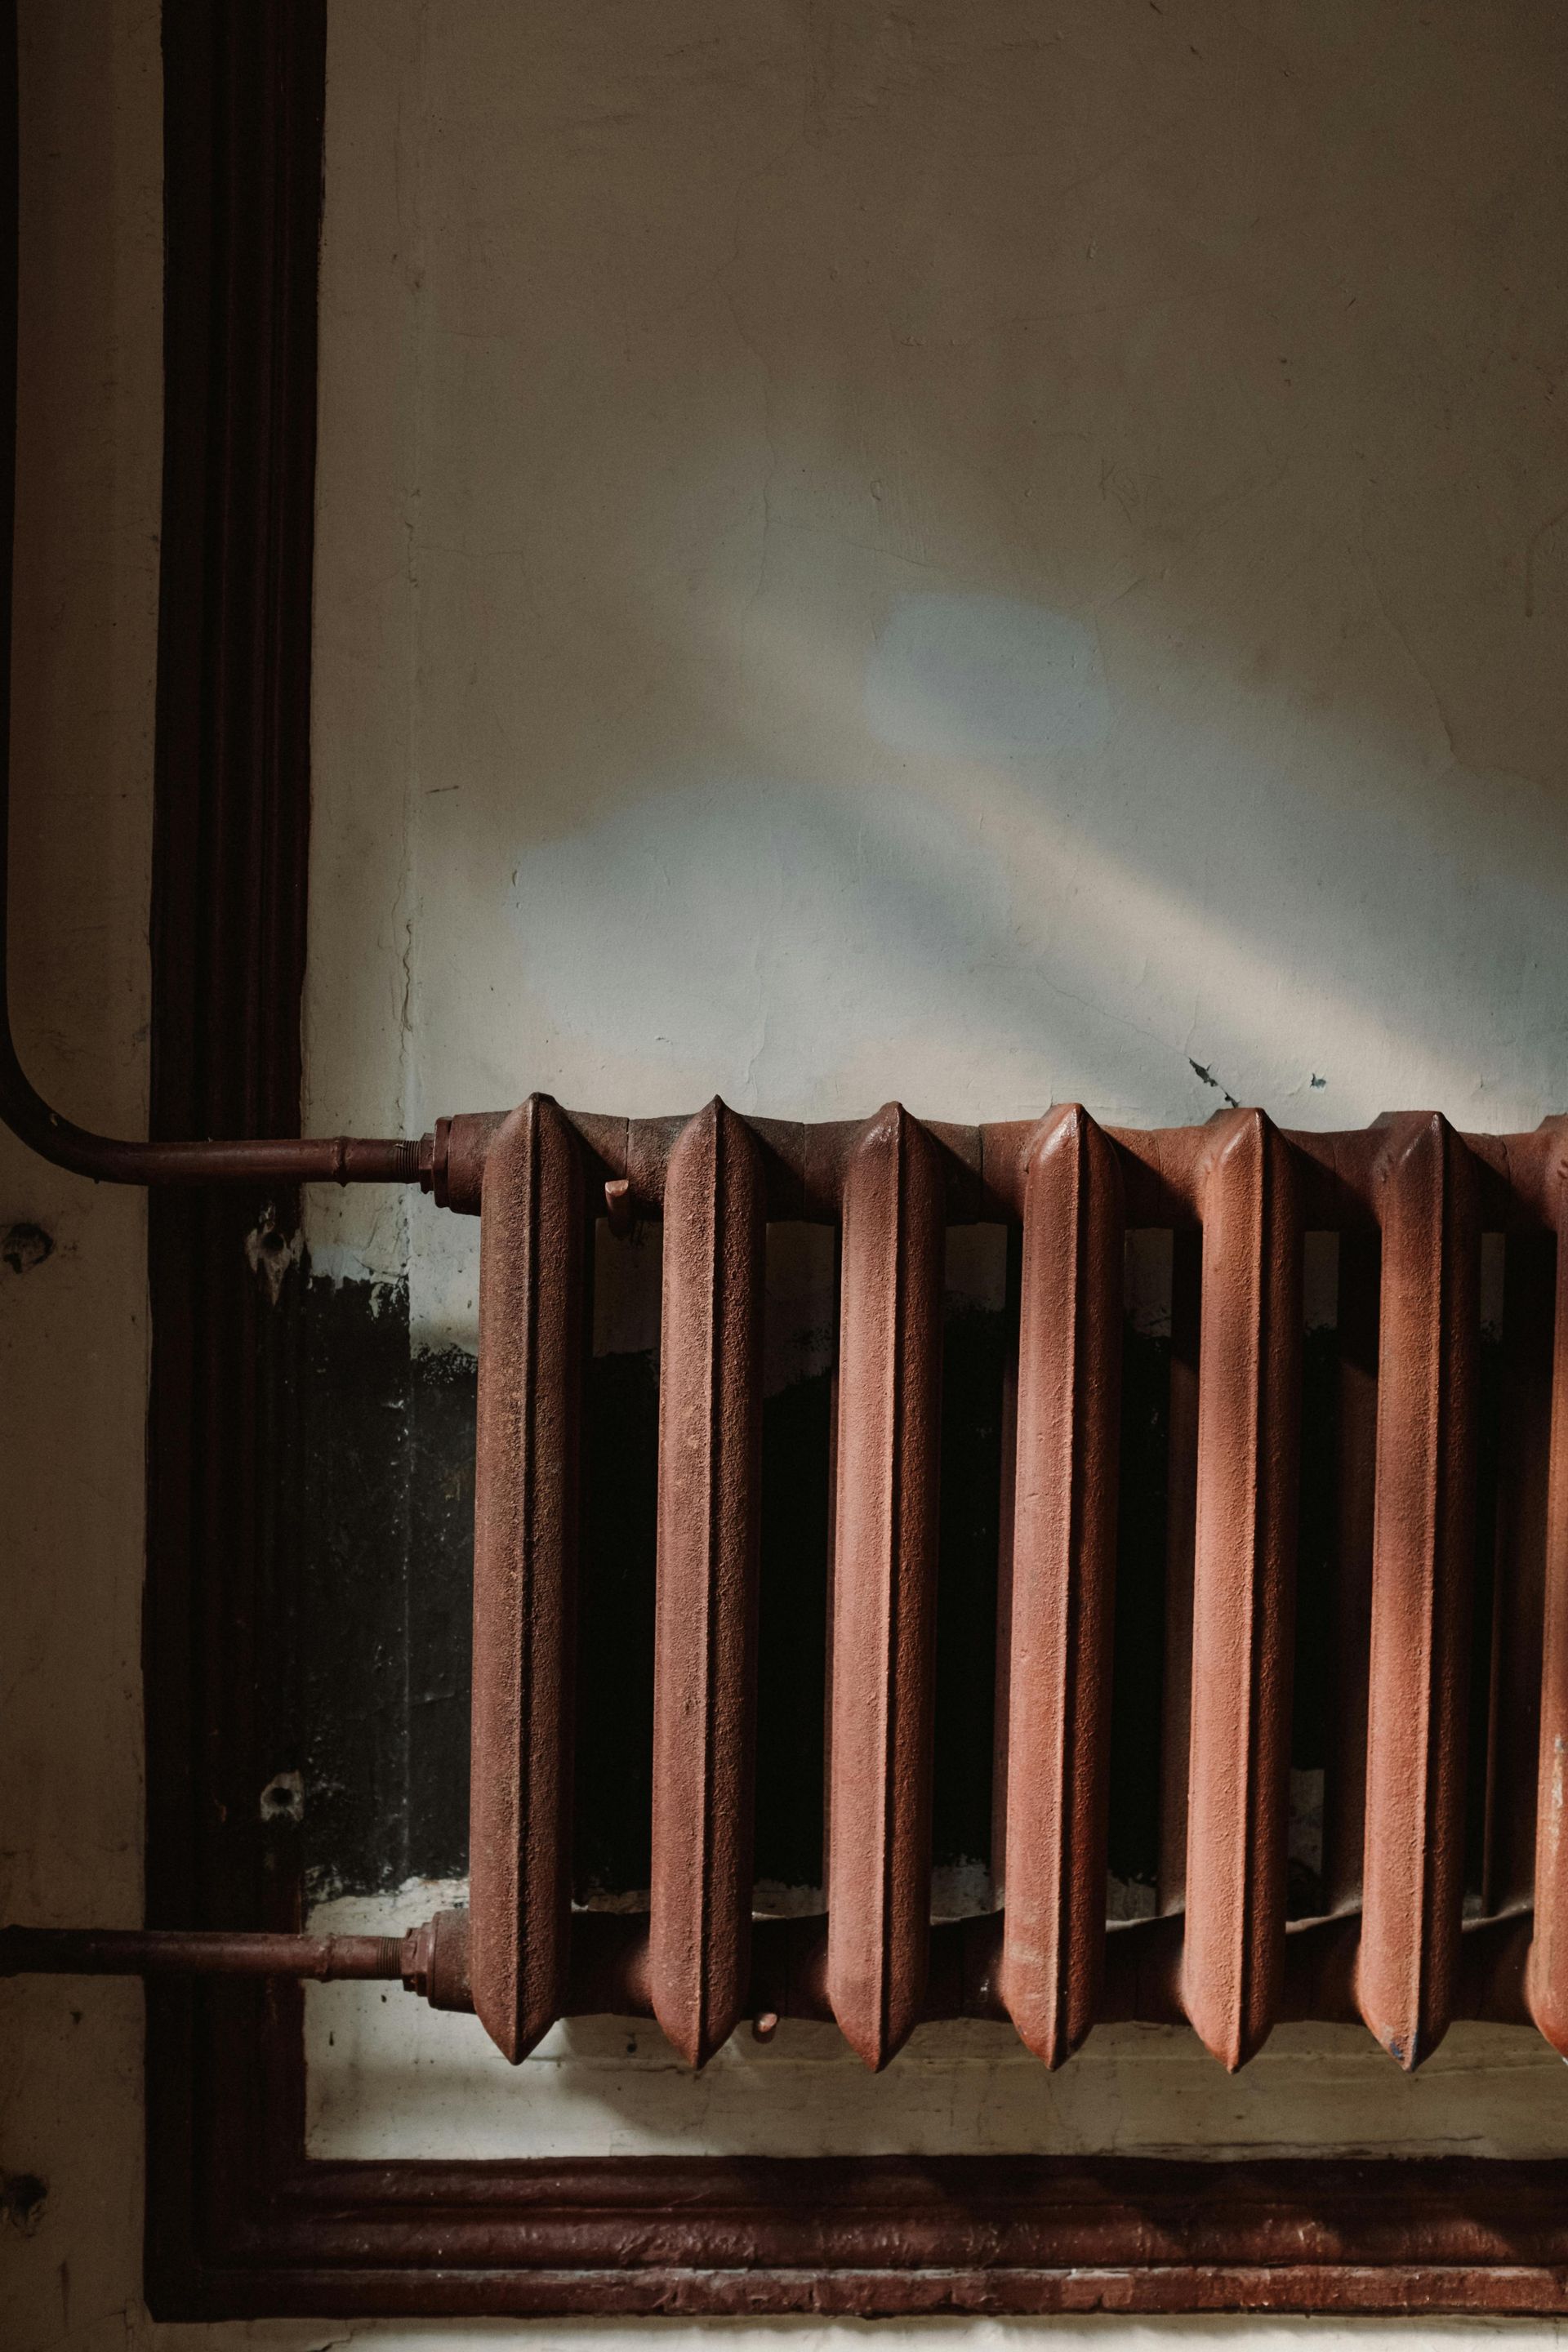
1209	1079
25	1246
283	1799
269	1252
23	2197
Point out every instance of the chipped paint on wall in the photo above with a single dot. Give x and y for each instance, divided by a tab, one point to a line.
73	1322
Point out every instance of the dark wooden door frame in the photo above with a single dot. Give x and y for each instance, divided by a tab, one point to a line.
239	2222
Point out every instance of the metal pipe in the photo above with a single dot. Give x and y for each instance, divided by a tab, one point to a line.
610	1973
283	1159
983	1169
178	1951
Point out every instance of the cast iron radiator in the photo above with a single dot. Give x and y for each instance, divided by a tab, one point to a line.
1410	1191
1396	1944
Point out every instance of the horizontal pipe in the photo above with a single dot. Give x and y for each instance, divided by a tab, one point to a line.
280	1159
610	1975
179	1951
804	1169
805	1165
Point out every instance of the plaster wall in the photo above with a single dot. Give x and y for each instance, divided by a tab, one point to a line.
72	1255
984	554
988	556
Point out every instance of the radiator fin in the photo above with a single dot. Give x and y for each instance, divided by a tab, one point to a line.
1062	1585
1250	1395
884	1597
1423	1548
526	1499
710	1448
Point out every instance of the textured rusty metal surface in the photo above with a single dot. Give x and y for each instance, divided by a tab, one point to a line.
884	1591
526	1500
1163	1166
1422	1567
1338	1174
710	1461
1062	1585
610	1970
1243	1588
171	1951
1548	1966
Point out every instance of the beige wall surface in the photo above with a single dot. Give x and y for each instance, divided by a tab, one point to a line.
988	552
72	1306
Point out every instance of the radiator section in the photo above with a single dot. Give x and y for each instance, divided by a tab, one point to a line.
1244	1567
526	1502
884	1585
1423	1553
1062	1585
1409	1200
709	1453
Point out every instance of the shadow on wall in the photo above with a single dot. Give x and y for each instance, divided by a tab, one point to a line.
988	555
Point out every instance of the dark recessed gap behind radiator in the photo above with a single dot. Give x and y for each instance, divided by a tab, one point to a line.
1312	1692
976	1345
613	1750
386	1463
1139	1643
799	1346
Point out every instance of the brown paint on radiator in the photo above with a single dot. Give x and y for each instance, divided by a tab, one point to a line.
1062	1584
884	1584
526	1499
1250	1413
1409	1194
710	1468
1423	1547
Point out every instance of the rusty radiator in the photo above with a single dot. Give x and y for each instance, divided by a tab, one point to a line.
1396	1945
1410	1191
